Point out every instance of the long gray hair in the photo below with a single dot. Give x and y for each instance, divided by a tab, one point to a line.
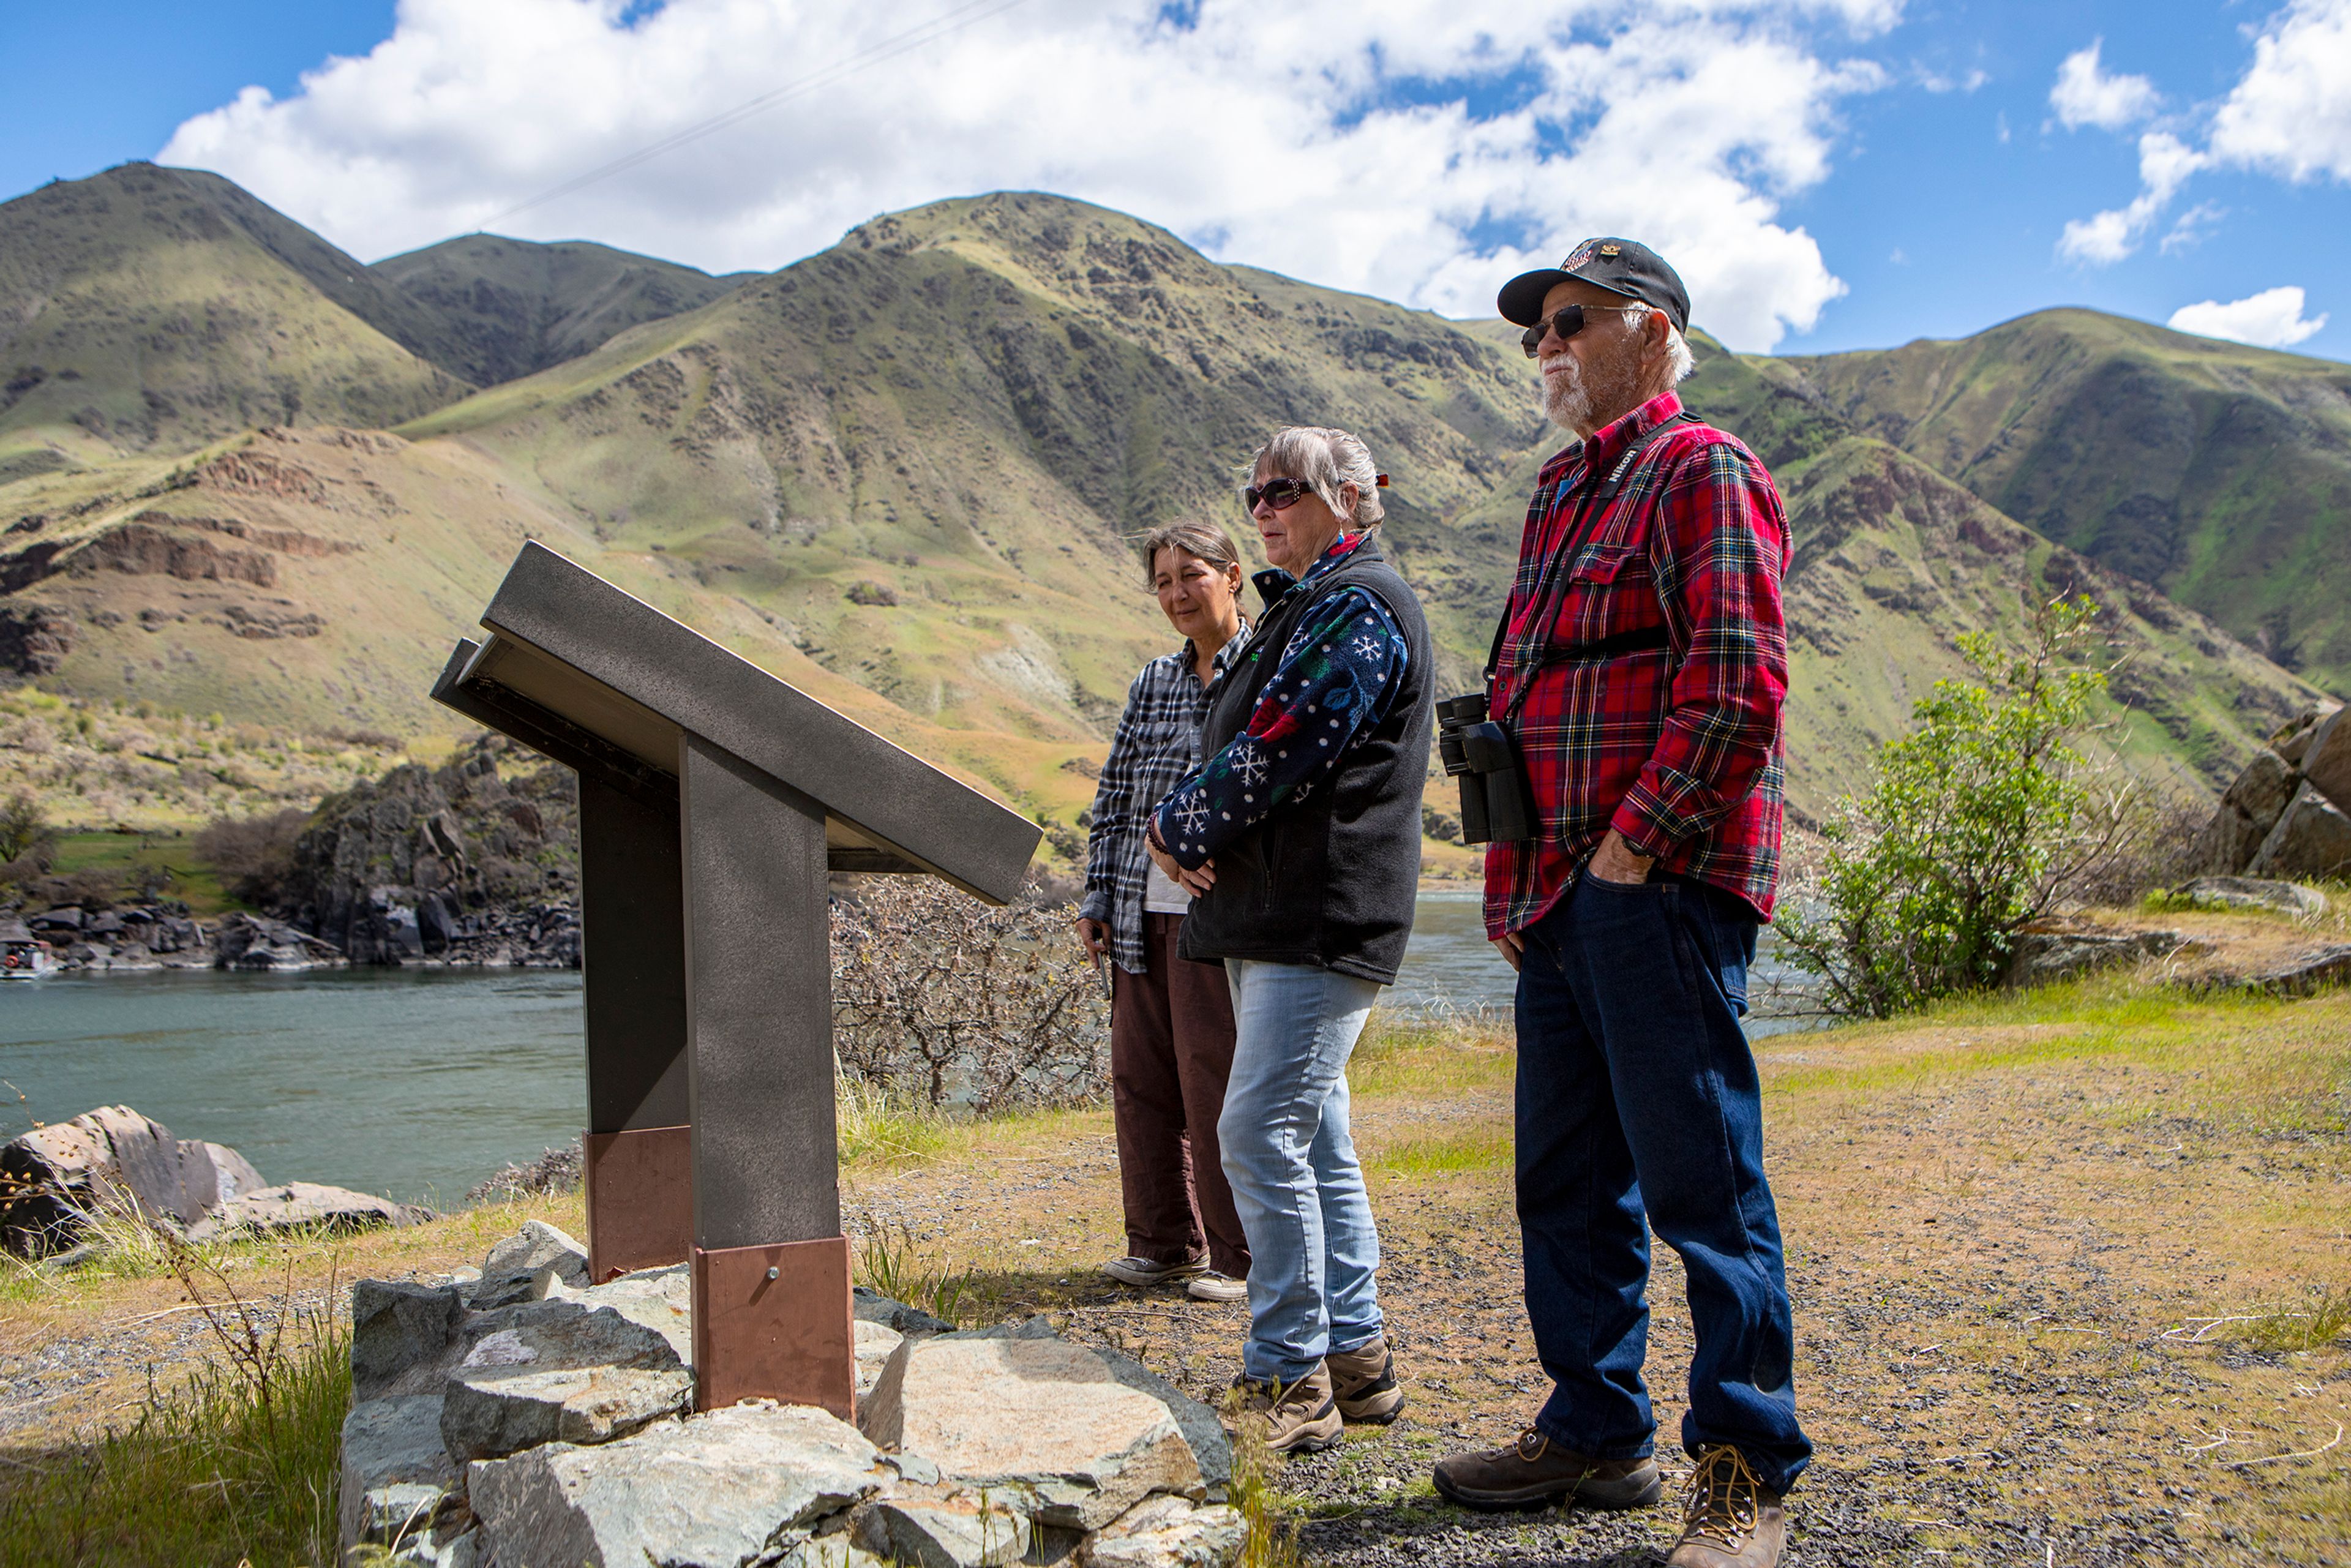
1326	459
1205	542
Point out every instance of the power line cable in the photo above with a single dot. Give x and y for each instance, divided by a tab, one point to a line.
953	21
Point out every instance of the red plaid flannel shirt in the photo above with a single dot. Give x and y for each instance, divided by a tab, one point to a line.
1679	746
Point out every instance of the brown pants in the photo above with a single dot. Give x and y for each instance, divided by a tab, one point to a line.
1171	1050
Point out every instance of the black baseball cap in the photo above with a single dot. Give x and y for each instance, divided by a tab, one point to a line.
1620	265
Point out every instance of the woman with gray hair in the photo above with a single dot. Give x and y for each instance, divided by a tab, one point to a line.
1300	834
1171	1033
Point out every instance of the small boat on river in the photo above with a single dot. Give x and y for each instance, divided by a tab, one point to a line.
23	956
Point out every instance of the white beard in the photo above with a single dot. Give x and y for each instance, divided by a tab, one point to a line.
1566	401
1613	391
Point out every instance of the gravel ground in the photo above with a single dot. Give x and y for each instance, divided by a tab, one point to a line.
2004	1283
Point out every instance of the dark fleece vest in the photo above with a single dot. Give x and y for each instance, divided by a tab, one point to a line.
1328	880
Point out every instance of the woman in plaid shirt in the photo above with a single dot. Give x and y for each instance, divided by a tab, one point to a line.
1171	1019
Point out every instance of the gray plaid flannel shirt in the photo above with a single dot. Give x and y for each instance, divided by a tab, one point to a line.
1158	742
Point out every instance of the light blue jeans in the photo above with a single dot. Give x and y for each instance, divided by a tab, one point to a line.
1295	1178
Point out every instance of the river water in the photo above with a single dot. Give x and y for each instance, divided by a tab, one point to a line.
412	1082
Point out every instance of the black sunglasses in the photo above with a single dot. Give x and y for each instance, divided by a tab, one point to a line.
1283	494
1567	321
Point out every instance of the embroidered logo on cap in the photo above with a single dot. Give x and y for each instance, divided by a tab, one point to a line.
1580	256
1612	251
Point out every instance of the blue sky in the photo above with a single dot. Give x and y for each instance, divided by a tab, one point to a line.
1929	179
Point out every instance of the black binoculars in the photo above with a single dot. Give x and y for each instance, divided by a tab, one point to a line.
1495	804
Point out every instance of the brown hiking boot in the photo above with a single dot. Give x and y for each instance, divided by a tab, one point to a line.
1299	1417
1728	1521
1363	1380
1533	1473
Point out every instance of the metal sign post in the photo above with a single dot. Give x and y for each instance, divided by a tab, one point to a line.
713	799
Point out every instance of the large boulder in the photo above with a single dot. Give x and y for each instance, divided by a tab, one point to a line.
2326	764
965	1530
2042	956
2248	810
305	1206
397	1328
111	1160
522	1267
1168	1533
398	1481
256	942
2313	838
717	1490
548	1372
2251	892
1040	1415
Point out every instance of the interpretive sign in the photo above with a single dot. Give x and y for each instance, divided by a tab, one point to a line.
713	799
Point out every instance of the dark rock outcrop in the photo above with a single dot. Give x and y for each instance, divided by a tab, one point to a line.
475	862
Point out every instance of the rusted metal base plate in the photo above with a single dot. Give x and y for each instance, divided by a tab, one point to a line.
640	1189
786	1338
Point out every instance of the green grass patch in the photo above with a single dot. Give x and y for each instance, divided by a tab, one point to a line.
167	862
2322	1318
876	1129
237	1466
1482	1148
1407	1053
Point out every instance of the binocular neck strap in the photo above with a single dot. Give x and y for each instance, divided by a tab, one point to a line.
1545	586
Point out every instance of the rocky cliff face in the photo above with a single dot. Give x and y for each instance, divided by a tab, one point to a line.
474	861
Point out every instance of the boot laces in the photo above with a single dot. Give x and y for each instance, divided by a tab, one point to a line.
1532	1444
1724	1498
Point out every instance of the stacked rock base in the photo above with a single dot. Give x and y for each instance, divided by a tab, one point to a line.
526	1419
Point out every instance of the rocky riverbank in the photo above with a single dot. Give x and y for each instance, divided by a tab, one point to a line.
518	1411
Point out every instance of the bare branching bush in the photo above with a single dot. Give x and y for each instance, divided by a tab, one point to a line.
939	999
2150	840
253	855
556	1171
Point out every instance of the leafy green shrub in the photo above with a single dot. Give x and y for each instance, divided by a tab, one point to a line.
1977	819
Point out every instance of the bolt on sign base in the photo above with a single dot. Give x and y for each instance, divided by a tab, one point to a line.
774	1323
639	1187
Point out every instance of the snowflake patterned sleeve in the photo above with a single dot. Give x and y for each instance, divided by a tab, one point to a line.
1334	683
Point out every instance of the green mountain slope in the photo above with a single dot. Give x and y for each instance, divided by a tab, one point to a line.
906	473
155	308
972	408
513	306
2220	474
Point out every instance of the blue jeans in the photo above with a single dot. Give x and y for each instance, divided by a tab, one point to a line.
1295	1178
1638	1107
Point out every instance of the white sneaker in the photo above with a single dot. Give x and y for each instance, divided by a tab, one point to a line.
1144	1271
1211	1286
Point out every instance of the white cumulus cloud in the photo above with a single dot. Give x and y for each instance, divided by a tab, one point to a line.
2085	95
2290	114
2165	162
1421	149
2269	320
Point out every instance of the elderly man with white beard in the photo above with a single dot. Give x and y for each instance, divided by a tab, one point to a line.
1640	670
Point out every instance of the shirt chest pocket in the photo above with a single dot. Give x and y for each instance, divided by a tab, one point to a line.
1168	743
1609	589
